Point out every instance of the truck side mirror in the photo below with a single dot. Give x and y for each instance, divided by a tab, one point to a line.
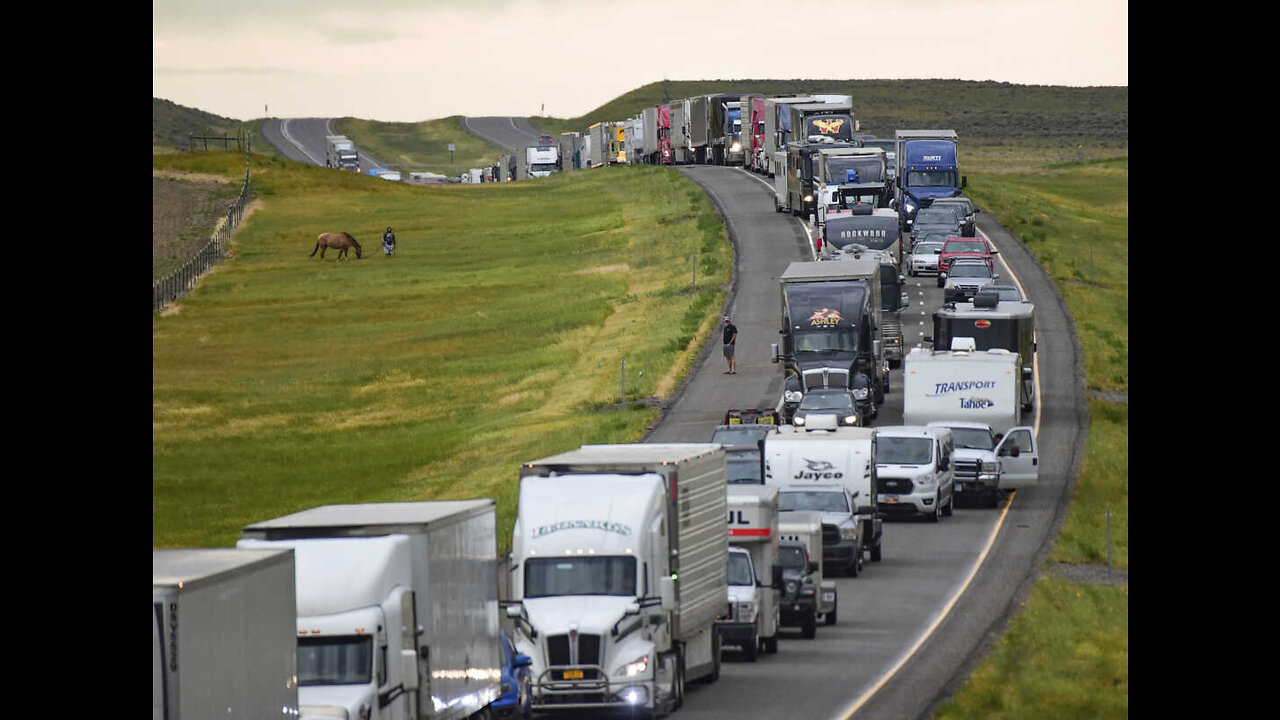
667	591
409	670
515	611
773	351
522	660
964	181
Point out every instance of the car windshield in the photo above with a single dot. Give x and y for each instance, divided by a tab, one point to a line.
974	270
926	248
547	577
791	556
826	401
936	217
816	501
740	569
1007	292
965	246
335	660
743	468
738	435
903	450
973	438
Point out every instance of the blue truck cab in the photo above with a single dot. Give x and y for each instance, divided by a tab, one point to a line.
927	168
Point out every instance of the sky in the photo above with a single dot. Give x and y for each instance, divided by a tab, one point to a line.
414	60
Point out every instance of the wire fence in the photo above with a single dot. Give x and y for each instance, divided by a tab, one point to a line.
180	282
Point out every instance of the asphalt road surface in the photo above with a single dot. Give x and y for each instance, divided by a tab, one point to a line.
302	139
912	626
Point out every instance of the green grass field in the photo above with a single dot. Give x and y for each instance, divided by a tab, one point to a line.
1066	654
421	145
494	336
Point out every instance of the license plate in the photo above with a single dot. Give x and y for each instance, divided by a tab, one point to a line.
959	487
828	597
889	499
572	674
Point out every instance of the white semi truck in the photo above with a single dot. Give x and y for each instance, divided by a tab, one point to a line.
222	634
619	572
822	453
397	607
755	578
542	160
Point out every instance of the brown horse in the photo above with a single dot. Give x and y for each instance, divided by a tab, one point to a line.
342	242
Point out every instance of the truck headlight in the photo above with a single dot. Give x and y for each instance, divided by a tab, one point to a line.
990	467
924	480
736	147
850	419
793	396
799	420
848	533
635	667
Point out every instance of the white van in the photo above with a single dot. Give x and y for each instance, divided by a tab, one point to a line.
916	470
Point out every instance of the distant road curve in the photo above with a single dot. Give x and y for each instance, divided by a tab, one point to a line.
303	139
512	133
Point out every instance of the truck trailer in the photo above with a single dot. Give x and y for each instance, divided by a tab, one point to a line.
397	607
982	386
341	153
993	323
222	634
755	581
619	572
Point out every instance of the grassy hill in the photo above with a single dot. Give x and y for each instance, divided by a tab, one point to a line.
1001	125
171	124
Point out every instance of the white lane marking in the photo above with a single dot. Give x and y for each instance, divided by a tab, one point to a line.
284	131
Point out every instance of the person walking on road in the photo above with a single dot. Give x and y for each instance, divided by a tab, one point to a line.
730	340
388	242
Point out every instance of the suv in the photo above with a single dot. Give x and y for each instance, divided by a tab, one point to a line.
838	402
915	471
841	538
964	279
958	247
965	210
930	219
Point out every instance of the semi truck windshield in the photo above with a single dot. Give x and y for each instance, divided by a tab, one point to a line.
943	178
548	577
842	340
341	660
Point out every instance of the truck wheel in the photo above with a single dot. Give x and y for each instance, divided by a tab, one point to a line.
875	553
679	679
751	649
809	628
951	505
770	645
933	516
855	564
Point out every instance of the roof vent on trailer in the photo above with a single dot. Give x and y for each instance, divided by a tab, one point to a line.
986	299
963	344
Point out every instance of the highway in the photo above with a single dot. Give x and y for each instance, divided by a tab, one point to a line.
912	626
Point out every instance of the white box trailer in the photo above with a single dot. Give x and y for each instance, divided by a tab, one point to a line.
754	606
397	607
806	527
620	560
649	135
840	455
222	632
982	386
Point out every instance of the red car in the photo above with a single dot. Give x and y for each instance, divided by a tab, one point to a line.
964	247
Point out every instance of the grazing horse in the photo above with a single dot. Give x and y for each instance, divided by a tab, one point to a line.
342	242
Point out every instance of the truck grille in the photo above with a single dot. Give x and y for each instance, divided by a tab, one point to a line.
559	650
833	378
830	534
965	470
900	486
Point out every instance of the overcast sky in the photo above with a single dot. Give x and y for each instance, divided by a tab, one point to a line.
412	60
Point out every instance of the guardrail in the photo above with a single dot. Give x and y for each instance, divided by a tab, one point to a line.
180	282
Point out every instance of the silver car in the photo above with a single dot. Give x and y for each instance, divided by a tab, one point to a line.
966	278
923	259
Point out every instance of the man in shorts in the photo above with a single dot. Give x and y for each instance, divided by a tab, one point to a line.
730	340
